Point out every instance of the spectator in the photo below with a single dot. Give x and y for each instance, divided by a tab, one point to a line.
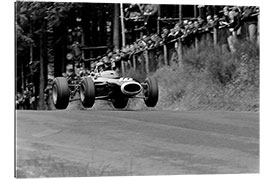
164	34
19	101
231	37
175	32
134	21
209	29
209	10
150	17
156	40
250	22
201	11
171	35
226	14
197	31
235	28
190	39
201	28
69	70
223	33
236	21
201	22
26	97
210	23
216	21
133	11
76	49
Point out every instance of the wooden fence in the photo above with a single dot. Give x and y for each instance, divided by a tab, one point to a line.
171	53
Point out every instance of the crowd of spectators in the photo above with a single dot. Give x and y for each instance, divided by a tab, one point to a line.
25	99
232	23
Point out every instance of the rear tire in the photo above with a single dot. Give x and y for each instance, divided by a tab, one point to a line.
87	92
151	92
60	93
120	103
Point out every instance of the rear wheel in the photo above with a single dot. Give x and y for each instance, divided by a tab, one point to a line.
151	92
120	103
87	92
60	93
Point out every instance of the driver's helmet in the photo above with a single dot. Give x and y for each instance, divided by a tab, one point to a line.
100	66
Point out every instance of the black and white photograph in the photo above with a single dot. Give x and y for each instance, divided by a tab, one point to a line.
123	89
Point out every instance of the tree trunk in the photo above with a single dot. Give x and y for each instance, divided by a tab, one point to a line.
158	21
116	29
42	47
195	11
22	77
179	48
122	25
59	50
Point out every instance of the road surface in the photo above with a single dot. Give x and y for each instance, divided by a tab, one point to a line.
136	142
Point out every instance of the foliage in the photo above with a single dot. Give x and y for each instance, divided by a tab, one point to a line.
31	15
211	80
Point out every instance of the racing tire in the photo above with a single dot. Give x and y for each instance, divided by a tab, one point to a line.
60	93
151	92
87	92
120	103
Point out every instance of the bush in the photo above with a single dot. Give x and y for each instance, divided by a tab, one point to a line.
211	80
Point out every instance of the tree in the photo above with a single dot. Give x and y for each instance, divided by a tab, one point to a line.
34	23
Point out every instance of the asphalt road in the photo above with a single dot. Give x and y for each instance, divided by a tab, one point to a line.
140	142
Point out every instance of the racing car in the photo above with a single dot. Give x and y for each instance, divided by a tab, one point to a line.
105	85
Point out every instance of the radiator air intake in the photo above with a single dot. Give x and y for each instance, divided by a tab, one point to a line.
131	88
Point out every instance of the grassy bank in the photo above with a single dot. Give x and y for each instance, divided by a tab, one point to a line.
208	79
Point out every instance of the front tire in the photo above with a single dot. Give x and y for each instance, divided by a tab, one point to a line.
87	92
60	93
151	92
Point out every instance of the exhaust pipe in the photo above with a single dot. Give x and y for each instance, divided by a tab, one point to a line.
131	88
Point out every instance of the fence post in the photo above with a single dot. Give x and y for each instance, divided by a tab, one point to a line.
196	43
215	36
134	61
258	30
179	52
165	54
122	67
146	61
179	47
129	65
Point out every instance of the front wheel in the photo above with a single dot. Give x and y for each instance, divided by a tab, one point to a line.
151	92
87	92
60	93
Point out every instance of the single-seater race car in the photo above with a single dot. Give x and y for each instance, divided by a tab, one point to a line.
105	85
